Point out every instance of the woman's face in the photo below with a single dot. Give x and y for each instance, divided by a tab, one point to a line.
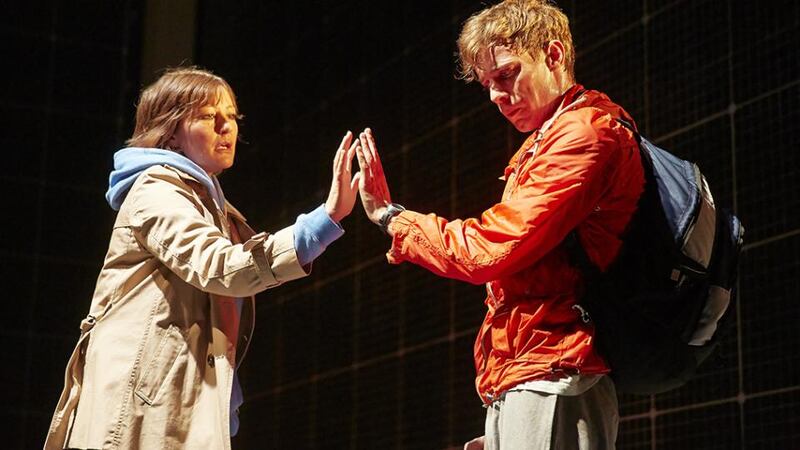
208	135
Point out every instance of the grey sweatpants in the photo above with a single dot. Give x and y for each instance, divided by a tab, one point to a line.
528	420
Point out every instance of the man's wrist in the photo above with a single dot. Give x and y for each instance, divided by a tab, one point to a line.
392	210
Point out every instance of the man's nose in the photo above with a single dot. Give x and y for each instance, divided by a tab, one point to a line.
497	96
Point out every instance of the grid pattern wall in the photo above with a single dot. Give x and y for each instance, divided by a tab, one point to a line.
66	105
367	355
363	354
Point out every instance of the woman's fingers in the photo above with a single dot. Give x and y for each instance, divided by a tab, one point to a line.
337	162
348	158
355	183
344	187
343	159
346	140
341	152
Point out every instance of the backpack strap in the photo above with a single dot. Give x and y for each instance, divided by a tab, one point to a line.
591	273
630	127
572	243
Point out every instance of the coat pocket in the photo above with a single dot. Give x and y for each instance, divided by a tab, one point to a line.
166	353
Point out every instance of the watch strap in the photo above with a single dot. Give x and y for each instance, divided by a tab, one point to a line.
392	209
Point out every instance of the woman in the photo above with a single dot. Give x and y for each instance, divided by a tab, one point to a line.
172	313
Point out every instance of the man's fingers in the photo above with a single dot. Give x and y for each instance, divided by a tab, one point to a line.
377	181
367	153
371	141
362	163
373	149
362	160
377	166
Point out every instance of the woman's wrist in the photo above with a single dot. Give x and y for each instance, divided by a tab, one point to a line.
332	214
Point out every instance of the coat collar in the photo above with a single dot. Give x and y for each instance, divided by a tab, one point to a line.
229	209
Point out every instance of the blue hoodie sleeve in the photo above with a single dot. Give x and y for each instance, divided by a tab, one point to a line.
313	232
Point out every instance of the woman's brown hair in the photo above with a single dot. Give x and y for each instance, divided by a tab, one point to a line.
172	98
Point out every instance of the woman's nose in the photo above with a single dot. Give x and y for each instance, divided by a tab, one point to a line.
224	126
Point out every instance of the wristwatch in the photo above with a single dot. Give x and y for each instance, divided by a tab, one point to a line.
392	209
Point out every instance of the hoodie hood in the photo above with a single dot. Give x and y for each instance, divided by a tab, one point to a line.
130	162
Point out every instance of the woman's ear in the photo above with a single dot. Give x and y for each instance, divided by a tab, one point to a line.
172	143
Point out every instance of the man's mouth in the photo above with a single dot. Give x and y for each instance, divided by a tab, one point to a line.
509	112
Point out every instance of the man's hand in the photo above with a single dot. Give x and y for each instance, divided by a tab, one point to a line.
373	187
344	186
475	444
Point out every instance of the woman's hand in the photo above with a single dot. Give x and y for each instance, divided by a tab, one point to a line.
374	189
344	186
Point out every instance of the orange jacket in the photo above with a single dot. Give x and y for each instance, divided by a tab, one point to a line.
586	174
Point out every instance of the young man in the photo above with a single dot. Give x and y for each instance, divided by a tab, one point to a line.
538	372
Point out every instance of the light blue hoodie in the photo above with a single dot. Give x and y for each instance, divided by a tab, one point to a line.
313	232
130	162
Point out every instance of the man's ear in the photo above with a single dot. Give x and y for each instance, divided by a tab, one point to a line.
554	54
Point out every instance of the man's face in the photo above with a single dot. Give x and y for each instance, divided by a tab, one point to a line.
524	89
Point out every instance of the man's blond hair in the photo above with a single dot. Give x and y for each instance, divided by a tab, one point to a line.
521	25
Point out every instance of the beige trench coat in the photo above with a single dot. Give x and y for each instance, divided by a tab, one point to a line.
153	367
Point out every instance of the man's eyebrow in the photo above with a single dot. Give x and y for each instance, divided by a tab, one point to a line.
505	65
495	69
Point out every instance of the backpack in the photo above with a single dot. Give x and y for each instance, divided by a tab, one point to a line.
660	308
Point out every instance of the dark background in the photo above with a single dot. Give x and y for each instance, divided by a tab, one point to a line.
362	354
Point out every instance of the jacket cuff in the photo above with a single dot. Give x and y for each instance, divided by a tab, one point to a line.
399	228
